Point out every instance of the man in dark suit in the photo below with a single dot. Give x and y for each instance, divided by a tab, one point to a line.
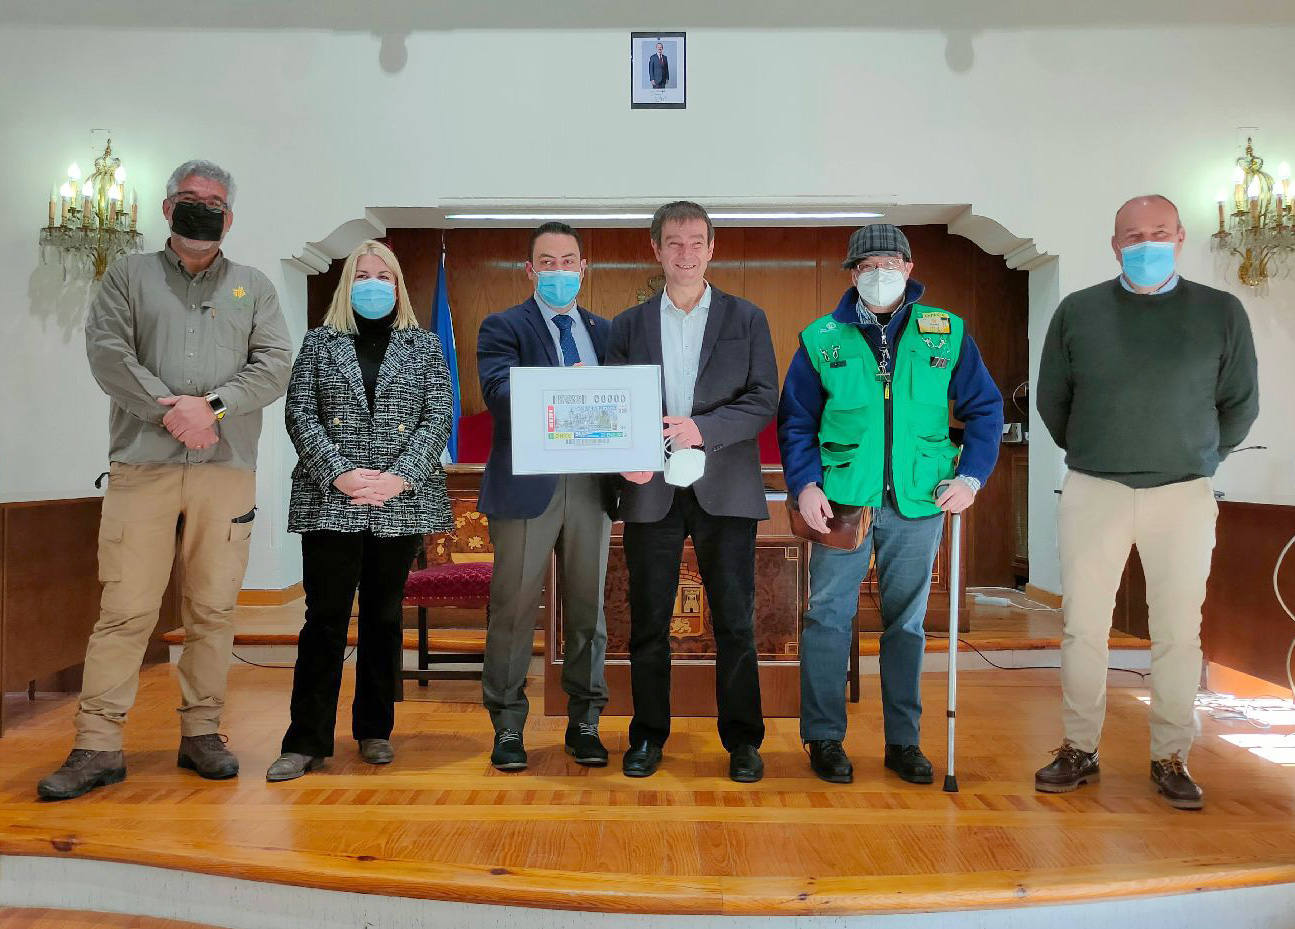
532	515
659	68
720	382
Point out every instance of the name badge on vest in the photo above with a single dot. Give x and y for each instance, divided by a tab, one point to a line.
938	362
933	323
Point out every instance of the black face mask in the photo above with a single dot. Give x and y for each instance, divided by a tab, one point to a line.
198	222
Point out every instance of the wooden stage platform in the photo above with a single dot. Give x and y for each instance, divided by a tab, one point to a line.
441	824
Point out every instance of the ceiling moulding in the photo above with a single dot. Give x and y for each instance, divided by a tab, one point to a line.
405	16
993	238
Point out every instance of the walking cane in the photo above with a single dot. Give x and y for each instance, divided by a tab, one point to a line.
955	577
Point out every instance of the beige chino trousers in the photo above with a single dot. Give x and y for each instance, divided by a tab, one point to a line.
142	508
1173	529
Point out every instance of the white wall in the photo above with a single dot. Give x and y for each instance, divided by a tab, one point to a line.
1044	128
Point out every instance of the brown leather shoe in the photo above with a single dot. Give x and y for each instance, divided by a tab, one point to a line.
207	755
1070	767
1175	784
83	771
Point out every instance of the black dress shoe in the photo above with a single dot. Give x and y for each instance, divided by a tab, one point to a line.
584	745
830	762
909	763
745	765
509	753
1070	767
642	760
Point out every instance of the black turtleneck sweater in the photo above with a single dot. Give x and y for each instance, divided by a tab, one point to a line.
371	342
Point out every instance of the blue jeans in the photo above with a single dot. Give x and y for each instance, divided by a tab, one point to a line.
905	552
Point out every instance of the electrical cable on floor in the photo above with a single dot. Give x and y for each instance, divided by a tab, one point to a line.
1041	608
1036	667
1223	708
872	594
283	667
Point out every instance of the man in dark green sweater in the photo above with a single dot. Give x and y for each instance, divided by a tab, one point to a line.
1147	382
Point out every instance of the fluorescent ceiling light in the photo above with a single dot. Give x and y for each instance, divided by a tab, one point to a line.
597	217
540	217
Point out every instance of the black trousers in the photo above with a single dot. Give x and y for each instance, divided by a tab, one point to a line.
725	547
333	565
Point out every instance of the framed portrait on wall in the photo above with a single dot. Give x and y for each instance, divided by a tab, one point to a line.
658	70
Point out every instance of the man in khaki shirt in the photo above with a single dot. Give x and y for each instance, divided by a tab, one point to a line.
189	347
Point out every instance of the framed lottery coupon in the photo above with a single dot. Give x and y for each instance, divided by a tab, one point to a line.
583	420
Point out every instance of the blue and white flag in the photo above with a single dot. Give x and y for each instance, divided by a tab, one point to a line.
443	325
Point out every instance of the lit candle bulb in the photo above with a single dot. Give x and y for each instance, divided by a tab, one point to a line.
119	175
65	195
53	196
1252	194
1284	175
74	172
1238	188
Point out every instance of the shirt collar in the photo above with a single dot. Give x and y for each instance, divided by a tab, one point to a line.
174	260
702	304
1163	289
549	312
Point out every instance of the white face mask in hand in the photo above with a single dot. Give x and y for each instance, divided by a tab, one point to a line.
685	466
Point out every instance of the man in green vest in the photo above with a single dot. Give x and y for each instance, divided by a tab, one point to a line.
864	421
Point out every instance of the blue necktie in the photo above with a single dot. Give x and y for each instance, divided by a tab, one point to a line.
566	341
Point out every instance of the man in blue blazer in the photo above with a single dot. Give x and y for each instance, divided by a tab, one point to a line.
531	516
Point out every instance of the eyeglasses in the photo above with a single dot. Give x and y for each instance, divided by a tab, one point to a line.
211	203
885	264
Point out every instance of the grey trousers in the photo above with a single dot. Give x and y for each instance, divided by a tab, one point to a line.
579	529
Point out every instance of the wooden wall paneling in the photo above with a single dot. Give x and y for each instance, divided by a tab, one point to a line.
319	293
1130	615
781	277
485	271
998	322
622	271
727	269
51	586
419	254
1244	626
833	280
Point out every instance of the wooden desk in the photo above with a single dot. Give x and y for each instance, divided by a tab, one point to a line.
49	592
782	585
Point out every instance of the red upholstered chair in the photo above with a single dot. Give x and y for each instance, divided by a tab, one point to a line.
452	571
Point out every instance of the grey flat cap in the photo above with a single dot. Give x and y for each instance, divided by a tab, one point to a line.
877	239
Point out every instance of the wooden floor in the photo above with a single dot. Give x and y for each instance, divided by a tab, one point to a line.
441	823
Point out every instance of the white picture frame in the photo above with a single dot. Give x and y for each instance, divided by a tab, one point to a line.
603	419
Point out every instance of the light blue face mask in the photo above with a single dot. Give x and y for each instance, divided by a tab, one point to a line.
373	298
1148	264
557	288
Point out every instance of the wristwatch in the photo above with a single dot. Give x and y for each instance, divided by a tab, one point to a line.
217	405
405	486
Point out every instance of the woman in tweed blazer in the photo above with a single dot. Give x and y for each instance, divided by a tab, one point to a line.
368	410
